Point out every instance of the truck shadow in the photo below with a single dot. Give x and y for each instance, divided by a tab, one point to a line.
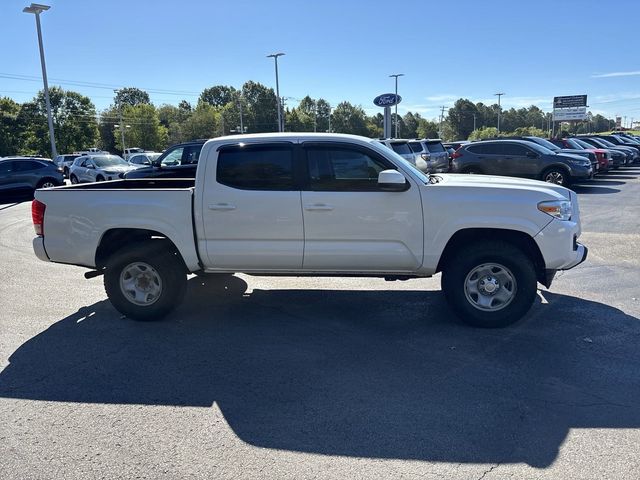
379	374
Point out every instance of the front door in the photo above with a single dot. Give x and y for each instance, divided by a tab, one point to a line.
350	223
252	216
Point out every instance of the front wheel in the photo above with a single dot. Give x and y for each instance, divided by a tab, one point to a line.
145	283
74	179
557	176
490	285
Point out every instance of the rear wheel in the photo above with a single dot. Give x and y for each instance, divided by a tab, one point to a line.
145	283
490	285
556	175
99	178
74	179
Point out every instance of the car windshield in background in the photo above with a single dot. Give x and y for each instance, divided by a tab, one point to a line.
583	144
401	148
572	143
540	149
435	147
416	147
109	161
545	143
153	156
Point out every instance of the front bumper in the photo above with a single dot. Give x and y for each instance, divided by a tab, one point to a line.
38	249
559	245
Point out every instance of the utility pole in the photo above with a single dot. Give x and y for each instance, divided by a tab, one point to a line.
499	108
474	122
441	119
124	153
240	107
37	9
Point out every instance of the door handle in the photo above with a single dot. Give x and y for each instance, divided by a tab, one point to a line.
318	207
221	206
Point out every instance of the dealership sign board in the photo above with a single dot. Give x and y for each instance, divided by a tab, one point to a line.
571	101
569	114
387	100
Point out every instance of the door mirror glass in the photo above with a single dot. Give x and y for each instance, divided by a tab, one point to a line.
392	181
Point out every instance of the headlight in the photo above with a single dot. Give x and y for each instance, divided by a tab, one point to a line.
580	163
560	209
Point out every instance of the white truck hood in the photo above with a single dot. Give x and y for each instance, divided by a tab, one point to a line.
493	181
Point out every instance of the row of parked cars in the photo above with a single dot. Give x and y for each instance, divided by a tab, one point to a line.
561	161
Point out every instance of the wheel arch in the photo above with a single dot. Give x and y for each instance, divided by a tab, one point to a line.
519	239
116	239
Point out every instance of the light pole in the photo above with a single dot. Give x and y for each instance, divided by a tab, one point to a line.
122	127
275	57
37	9
499	95
396	75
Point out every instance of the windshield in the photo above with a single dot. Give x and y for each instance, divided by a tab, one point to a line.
109	161
380	148
435	147
582	143
605	142
572	143
542	150
545	143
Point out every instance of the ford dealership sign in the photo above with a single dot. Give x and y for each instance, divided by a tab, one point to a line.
387	100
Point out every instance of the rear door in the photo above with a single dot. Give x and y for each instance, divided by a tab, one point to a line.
350	224
252	215
6	175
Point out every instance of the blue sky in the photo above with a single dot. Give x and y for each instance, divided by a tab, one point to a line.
338	50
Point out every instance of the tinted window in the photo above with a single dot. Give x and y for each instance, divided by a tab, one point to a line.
571	143
544	143
401	148
480	148
27	166
435	147
416	147
109	161
488	148
5	168
256	168
582	143
343	169
514	150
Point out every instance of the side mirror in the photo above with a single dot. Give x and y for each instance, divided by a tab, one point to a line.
392	181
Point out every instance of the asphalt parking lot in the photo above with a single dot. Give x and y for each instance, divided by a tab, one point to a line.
324	378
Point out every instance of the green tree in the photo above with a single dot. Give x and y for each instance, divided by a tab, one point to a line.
347	118
426	129
131	96
411	122
204	122
260	114
107	139
9	131
142	128
461	117
218	95
484	133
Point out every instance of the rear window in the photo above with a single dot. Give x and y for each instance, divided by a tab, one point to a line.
416	147
435	147
256	168
401	148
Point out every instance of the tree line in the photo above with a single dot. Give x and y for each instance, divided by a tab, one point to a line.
222	110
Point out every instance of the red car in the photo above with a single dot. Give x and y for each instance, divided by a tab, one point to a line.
603	156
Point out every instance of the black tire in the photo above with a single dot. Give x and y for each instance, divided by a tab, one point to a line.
165	264
65	172
73	179
99	178
49	182
456	274
556	175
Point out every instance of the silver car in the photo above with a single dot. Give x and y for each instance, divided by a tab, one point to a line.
431	156
401	147
143	159
98	168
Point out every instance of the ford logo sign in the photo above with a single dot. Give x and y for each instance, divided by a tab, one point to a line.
387	100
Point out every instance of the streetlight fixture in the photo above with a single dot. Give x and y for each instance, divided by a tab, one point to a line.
37	9
280	123
396	75
122	127
499	110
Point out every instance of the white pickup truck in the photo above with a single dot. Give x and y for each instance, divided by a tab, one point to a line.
314	205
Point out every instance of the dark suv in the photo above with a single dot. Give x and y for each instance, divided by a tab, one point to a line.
520	158
177	161
28	174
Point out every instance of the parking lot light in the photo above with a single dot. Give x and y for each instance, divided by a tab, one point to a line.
498	95
37	9
279	101
396	75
